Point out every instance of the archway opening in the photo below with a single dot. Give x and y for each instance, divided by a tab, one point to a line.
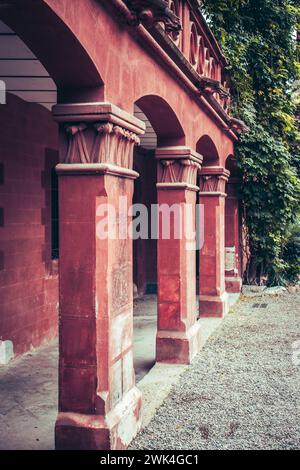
206	147
231	165
30	193
163	120
41	63
29	247
56	48
145	252
163	129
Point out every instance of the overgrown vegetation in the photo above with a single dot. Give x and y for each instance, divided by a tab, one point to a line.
258	38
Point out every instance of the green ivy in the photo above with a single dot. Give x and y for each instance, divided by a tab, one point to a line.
259	40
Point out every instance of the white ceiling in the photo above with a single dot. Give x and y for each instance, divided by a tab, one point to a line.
22	73
149	139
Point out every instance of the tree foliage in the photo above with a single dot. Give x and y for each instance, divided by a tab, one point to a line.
259	40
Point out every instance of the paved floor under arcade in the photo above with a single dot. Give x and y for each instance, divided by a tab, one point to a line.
28	386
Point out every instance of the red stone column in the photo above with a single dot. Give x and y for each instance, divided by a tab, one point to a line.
178	335
233	280
213	300
99	405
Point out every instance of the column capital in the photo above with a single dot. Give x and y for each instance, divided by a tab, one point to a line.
100	134
213	180
178	167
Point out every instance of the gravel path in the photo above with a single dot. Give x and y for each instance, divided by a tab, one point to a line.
243	390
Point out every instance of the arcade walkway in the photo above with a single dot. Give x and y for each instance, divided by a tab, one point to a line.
242	391
28	386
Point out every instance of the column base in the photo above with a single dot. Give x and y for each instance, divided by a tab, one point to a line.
74	431
178	347
233	284
213	306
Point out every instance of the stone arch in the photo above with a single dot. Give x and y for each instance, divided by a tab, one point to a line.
206	147
163	119
57	48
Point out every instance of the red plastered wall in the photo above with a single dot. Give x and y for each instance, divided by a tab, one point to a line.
28	276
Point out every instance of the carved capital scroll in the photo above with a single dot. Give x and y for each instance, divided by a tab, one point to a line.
77	144
100	143
97	133
213	180
189	171
113	144
178	166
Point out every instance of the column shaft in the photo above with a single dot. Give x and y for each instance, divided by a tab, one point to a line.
213	298
178	336
99	405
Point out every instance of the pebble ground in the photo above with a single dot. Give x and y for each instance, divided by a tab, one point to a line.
243	390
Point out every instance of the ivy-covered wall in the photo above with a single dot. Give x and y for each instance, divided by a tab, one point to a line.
259	38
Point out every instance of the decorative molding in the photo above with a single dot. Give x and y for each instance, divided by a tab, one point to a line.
168	173
71	169
189	171
107	143
238	126
151	12
212	183
203	66
211	86
178	165
98	134
179	171
77	145
177	186
96	112
195	51
213	180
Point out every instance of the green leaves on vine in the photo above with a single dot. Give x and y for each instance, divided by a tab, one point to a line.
259	39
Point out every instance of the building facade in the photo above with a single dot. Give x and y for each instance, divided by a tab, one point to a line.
110	101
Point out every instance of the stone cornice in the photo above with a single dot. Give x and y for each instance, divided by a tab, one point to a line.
97	112
215	171
207	86
178	152
198	66
68	169
201	60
